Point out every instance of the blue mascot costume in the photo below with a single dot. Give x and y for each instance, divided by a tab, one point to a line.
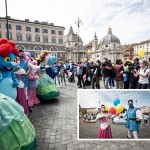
8	80
46	89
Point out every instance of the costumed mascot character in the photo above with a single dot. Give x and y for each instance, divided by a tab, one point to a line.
46	89
48	61
24	64
16	131
8	80
21	96
32	83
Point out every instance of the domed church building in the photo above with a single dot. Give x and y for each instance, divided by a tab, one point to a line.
108	47
74	53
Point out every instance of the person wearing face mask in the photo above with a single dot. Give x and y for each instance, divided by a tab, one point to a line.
133	120
105	129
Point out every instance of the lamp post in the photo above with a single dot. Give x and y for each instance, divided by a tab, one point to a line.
7	20
78	22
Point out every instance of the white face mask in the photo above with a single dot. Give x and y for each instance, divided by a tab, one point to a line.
18	62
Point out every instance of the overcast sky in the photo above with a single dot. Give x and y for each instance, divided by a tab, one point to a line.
89	99
129	19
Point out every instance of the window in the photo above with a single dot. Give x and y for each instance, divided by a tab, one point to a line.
19	37
0	25
10	36
147	45
0	35
60	41
9	26
52	31
60	32
53	40
28	48
28	29
45	30
28	37
53	49
20	47
38	48
106	45
37	29
76	44
18	27
45	39
37	39
114	45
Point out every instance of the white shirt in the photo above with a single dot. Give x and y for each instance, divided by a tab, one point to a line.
143	80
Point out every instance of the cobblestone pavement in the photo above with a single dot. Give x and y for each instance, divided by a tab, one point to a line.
90	130
55	123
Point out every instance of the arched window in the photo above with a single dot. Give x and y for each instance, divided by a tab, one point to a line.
54	51
20	47
38	48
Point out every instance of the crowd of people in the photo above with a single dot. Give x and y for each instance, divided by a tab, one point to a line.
121	75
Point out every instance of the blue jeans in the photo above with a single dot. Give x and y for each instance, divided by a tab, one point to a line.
111	82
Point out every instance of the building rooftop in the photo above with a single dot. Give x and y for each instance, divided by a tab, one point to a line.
33	22
72	37
109	38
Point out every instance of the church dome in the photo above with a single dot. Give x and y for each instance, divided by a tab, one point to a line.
71	37
109	38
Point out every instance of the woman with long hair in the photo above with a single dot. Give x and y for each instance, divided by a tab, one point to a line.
105	129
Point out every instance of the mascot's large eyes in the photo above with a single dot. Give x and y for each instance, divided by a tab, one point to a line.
7	59
15	60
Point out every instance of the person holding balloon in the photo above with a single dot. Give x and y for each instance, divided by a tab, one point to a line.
105	129
143	74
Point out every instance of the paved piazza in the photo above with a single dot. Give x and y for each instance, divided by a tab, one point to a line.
56	126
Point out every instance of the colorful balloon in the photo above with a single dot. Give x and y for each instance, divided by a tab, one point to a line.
119	108
70	73
116	101
112	110
106	108
141	52
84	77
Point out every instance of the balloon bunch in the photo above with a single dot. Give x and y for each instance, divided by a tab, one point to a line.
115	110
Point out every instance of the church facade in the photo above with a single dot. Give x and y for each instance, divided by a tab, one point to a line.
75	51
109	47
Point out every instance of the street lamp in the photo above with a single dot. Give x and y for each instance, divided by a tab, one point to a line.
78	22
7	20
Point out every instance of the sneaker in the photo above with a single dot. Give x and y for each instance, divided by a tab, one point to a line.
147	124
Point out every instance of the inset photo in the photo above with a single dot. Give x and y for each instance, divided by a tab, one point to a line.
113	114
